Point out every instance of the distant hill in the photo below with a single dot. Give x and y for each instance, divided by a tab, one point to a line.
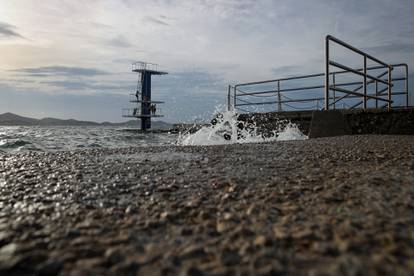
10	119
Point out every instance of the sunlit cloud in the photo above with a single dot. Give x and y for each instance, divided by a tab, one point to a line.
86	47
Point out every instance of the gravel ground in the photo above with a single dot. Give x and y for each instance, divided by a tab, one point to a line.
342	205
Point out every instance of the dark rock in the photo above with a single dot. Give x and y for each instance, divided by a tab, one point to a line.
114	255
127	268
229	257
192	271
193	251
50	267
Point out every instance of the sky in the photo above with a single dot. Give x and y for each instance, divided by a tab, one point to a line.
72	59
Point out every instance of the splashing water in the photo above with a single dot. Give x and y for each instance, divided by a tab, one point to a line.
227	129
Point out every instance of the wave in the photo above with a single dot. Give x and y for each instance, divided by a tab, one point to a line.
227	129
14	143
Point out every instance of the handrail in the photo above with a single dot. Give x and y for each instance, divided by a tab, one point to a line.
142	65
303	88
356	93
305	100
349	69
384	78
329	62
274	92
136	113
350	47
359	87
316	75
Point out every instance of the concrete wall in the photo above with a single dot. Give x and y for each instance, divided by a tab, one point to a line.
276	120
371	121
381	122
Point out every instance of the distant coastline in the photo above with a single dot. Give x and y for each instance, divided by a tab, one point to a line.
11	119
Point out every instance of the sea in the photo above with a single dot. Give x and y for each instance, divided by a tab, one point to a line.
16	139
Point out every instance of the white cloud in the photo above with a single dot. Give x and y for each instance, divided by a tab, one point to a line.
236	40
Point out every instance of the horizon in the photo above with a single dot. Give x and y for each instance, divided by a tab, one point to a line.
72	60
65	119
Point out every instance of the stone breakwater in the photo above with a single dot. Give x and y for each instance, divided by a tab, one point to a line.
342	205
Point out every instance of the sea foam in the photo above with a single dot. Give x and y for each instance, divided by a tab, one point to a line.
227	129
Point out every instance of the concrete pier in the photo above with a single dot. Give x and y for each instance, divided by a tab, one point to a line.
339	205
326	123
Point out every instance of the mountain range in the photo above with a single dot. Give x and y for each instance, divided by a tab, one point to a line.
10	119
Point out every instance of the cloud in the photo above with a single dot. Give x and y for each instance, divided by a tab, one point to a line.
119	41
100	26
72	85
284	71
403	48
88	85
37	75
191	82
7	30
61	71
127	61
232	41
157	21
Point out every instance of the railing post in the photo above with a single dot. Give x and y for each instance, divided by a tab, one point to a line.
365	82
407	99
389	87
279	98
376	94
229	99
327	73
334	91
234	97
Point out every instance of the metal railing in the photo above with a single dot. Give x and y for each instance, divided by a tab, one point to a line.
134	99
364	74
142	65
240	95
136	113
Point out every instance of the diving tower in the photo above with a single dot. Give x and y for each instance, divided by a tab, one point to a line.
144	107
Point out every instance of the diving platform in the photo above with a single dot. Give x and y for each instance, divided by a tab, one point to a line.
134	99
144	107
149	68
136	113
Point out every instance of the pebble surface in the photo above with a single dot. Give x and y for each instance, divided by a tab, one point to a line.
341	205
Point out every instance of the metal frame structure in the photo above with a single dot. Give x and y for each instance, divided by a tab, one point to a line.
331	88
142	97
140	66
